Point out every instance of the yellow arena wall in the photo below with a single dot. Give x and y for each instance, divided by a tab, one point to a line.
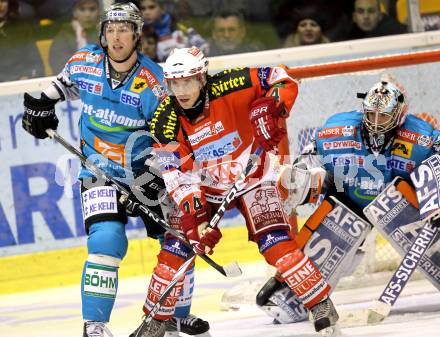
64	267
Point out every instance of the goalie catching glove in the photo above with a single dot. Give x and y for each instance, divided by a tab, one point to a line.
265	113
39	115
300	185
195	227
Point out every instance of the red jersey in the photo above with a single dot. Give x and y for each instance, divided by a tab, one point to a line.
201	159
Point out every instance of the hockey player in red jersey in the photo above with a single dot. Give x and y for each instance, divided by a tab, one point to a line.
205	132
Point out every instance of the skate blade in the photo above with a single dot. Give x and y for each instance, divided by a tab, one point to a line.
331	331
181	334
172	334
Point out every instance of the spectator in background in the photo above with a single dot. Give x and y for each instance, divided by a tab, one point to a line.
20	58
309	28
45	9
369	21
75	34
171	34
149	42
228	35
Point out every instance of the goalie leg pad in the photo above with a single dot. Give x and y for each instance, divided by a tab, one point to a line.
329	252
283	305
313	222
394	215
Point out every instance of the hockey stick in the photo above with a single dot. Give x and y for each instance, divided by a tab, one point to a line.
155	309
231	270
382	307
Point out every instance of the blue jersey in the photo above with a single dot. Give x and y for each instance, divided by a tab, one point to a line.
115	116
355	170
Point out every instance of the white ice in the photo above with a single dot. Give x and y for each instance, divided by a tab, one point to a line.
57	312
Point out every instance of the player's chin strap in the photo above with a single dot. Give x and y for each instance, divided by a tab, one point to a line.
127	199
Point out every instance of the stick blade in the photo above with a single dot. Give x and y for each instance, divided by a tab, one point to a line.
378	312
232	270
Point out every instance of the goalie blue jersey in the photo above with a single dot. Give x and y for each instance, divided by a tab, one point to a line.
115	115
355	170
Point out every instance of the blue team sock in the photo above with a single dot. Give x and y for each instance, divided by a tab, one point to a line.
98	291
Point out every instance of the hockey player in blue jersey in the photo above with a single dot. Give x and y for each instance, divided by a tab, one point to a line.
120	89
362	153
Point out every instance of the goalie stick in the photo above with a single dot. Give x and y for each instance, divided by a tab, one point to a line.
231	270
382	307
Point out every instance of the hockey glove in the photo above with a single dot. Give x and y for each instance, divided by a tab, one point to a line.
264	114
146	189
194	226
39	115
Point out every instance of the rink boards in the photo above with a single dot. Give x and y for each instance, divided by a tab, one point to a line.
63	267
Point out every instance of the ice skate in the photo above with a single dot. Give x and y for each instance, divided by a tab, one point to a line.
190	325
96	329
324	317
154	328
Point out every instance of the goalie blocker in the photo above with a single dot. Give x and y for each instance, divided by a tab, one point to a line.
330	237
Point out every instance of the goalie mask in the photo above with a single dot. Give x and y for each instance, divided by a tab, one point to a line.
384	109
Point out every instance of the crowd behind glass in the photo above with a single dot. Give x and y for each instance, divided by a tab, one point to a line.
37	37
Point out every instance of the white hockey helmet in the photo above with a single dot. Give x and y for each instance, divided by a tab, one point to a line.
121	12
185	62
384	108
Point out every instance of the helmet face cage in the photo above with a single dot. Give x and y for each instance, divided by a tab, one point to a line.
127	12
185	62
383	108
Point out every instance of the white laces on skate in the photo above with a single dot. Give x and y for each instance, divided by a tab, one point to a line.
188	320
96	329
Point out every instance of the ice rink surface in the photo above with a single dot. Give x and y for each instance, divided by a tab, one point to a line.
57	312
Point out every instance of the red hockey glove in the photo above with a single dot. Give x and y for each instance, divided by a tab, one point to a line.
265	112
201	238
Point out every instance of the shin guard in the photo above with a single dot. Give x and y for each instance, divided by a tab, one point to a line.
302	277
160	279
